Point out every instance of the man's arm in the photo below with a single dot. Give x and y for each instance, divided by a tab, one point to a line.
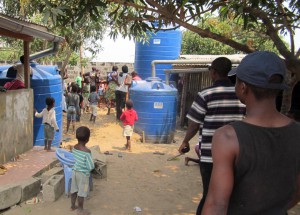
196	117
224	152
192	130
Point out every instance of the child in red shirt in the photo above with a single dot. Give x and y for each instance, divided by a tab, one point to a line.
128	118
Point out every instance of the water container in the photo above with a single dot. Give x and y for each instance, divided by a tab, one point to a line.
163	45
45	82
3	71
4	67
155	104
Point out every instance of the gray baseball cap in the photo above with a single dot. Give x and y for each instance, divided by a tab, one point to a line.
258	67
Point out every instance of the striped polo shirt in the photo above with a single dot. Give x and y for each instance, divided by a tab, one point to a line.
214	107
83	161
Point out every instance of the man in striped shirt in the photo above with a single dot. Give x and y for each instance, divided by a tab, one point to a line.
213	107
81	170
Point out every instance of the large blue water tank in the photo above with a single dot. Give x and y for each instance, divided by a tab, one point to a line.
163	45
155	104
45	82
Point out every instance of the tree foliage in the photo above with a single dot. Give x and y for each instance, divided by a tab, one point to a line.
193	44
133	17
270	19
83	29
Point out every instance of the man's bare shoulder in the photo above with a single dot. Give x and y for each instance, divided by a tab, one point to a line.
225	139
226	131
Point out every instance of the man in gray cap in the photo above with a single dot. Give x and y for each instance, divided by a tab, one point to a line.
256	161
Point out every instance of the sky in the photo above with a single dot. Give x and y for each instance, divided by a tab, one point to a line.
123	50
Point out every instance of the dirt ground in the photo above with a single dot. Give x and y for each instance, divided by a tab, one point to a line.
137	179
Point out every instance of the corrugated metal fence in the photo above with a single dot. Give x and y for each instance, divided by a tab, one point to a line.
192	84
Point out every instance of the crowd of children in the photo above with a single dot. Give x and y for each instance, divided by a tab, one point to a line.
85	98
221	196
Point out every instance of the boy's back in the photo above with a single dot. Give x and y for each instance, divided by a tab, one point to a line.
81	170
83	159
128	117
94	98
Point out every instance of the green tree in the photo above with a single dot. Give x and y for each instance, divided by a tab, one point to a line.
85	31
270	19
193	44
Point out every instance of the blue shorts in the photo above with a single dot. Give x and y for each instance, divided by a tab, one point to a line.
71	113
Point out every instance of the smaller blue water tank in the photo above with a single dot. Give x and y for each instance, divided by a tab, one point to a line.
155	104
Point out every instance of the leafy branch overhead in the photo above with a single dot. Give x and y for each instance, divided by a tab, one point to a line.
79	23
271	18
79	20
133	17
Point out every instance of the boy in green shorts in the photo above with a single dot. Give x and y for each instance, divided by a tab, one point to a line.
81	170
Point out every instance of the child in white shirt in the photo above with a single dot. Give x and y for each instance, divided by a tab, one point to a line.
49	121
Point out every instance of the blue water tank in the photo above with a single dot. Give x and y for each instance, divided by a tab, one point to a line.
155	104
3	67
45	82
163	45
3	71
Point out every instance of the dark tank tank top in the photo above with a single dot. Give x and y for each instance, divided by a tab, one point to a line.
265	176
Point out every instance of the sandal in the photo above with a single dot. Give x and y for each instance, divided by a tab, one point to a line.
107	153
158	153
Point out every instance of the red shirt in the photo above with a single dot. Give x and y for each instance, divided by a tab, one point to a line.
128	117
136	78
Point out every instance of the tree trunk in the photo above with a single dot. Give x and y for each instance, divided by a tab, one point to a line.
81	58
65	62
293	76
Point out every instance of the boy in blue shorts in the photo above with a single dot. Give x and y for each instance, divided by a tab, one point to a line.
49	121
81	170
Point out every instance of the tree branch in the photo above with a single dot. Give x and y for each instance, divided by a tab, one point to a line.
136	6
298	53
271	31
202	32
287	25
169	16
208	34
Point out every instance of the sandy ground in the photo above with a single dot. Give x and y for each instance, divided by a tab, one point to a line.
137	179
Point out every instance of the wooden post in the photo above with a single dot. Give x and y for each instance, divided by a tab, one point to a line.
186	81
81	55
143	137
26	64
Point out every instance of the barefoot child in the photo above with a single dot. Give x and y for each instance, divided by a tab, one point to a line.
72	100
128	118
93	99
49	121
81	170
195	160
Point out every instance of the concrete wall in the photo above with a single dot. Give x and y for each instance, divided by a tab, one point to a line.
104	68
16	123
